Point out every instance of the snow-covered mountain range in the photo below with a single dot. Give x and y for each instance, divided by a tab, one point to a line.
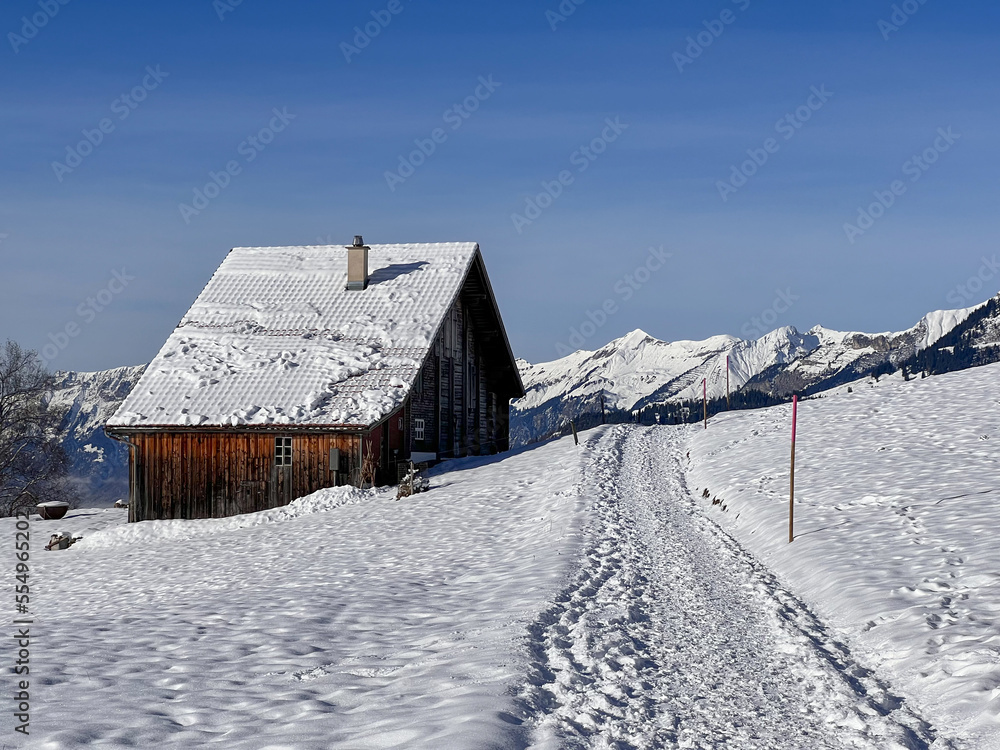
638	371
98	464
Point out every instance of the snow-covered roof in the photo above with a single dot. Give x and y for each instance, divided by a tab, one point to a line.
275	338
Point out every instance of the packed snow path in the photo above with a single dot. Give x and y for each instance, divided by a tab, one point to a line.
673	636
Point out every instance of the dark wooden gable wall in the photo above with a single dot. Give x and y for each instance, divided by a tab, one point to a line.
462	394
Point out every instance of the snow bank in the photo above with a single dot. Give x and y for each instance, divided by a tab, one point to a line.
153	532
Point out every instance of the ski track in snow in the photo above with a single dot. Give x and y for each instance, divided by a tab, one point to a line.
672	635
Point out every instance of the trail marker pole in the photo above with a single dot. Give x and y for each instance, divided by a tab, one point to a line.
791	483
727	382
704	399
576	440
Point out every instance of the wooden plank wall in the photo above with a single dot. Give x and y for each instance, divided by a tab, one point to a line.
217	474
398	454
423	404
461	414
457	354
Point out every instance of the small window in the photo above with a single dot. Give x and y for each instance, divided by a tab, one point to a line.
418	429
283	451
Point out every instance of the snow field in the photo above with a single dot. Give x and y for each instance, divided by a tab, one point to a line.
896	515
347	620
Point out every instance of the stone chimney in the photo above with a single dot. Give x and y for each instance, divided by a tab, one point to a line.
357	264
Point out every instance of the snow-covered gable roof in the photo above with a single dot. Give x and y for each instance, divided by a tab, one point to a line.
275	338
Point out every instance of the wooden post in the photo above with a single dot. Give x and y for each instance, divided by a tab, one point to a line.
602	408
704	399
791	482
576	440
727	382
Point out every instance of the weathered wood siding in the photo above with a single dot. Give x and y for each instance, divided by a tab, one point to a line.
455	395
422	404
387	441
217	474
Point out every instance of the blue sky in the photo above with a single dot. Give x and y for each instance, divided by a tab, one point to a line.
322	177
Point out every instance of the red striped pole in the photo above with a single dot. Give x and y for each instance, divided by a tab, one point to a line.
791	483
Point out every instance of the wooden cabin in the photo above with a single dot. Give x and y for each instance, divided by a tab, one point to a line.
300	368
